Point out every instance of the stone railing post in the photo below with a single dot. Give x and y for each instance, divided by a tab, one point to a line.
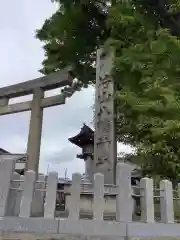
50	200
98	203
74	204
38	199
18	196
147	200
13	199
124	202
166	202
7	167
27	194
22	178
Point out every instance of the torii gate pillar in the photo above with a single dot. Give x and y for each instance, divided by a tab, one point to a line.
35	130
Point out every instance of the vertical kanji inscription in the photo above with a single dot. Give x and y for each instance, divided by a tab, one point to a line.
104	139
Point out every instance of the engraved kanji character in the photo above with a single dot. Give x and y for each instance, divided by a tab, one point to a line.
104	126
104	95
101	160
103	109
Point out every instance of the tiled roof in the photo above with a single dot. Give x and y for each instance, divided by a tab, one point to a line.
3	151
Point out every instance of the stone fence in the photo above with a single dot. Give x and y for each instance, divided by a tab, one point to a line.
25	197
22	197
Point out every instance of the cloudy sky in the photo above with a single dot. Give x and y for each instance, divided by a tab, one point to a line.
20	59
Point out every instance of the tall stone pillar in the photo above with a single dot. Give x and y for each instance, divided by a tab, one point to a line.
105	145
35	129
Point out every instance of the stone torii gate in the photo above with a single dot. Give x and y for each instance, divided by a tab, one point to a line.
105	145
37	87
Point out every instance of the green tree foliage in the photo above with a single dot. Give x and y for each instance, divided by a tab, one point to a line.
72	36
147	74
146	70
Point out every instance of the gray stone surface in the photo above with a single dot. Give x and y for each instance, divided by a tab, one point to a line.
89	167
85	237
38	198
27	194
14	197
7	166
54	80
35	129
92	228
39	225
124	202
53	101
4	101
153	238
26	106
50	201
98	201
148	230
15	108
147	200
50	236
166	202
74	205
40	228
105	152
